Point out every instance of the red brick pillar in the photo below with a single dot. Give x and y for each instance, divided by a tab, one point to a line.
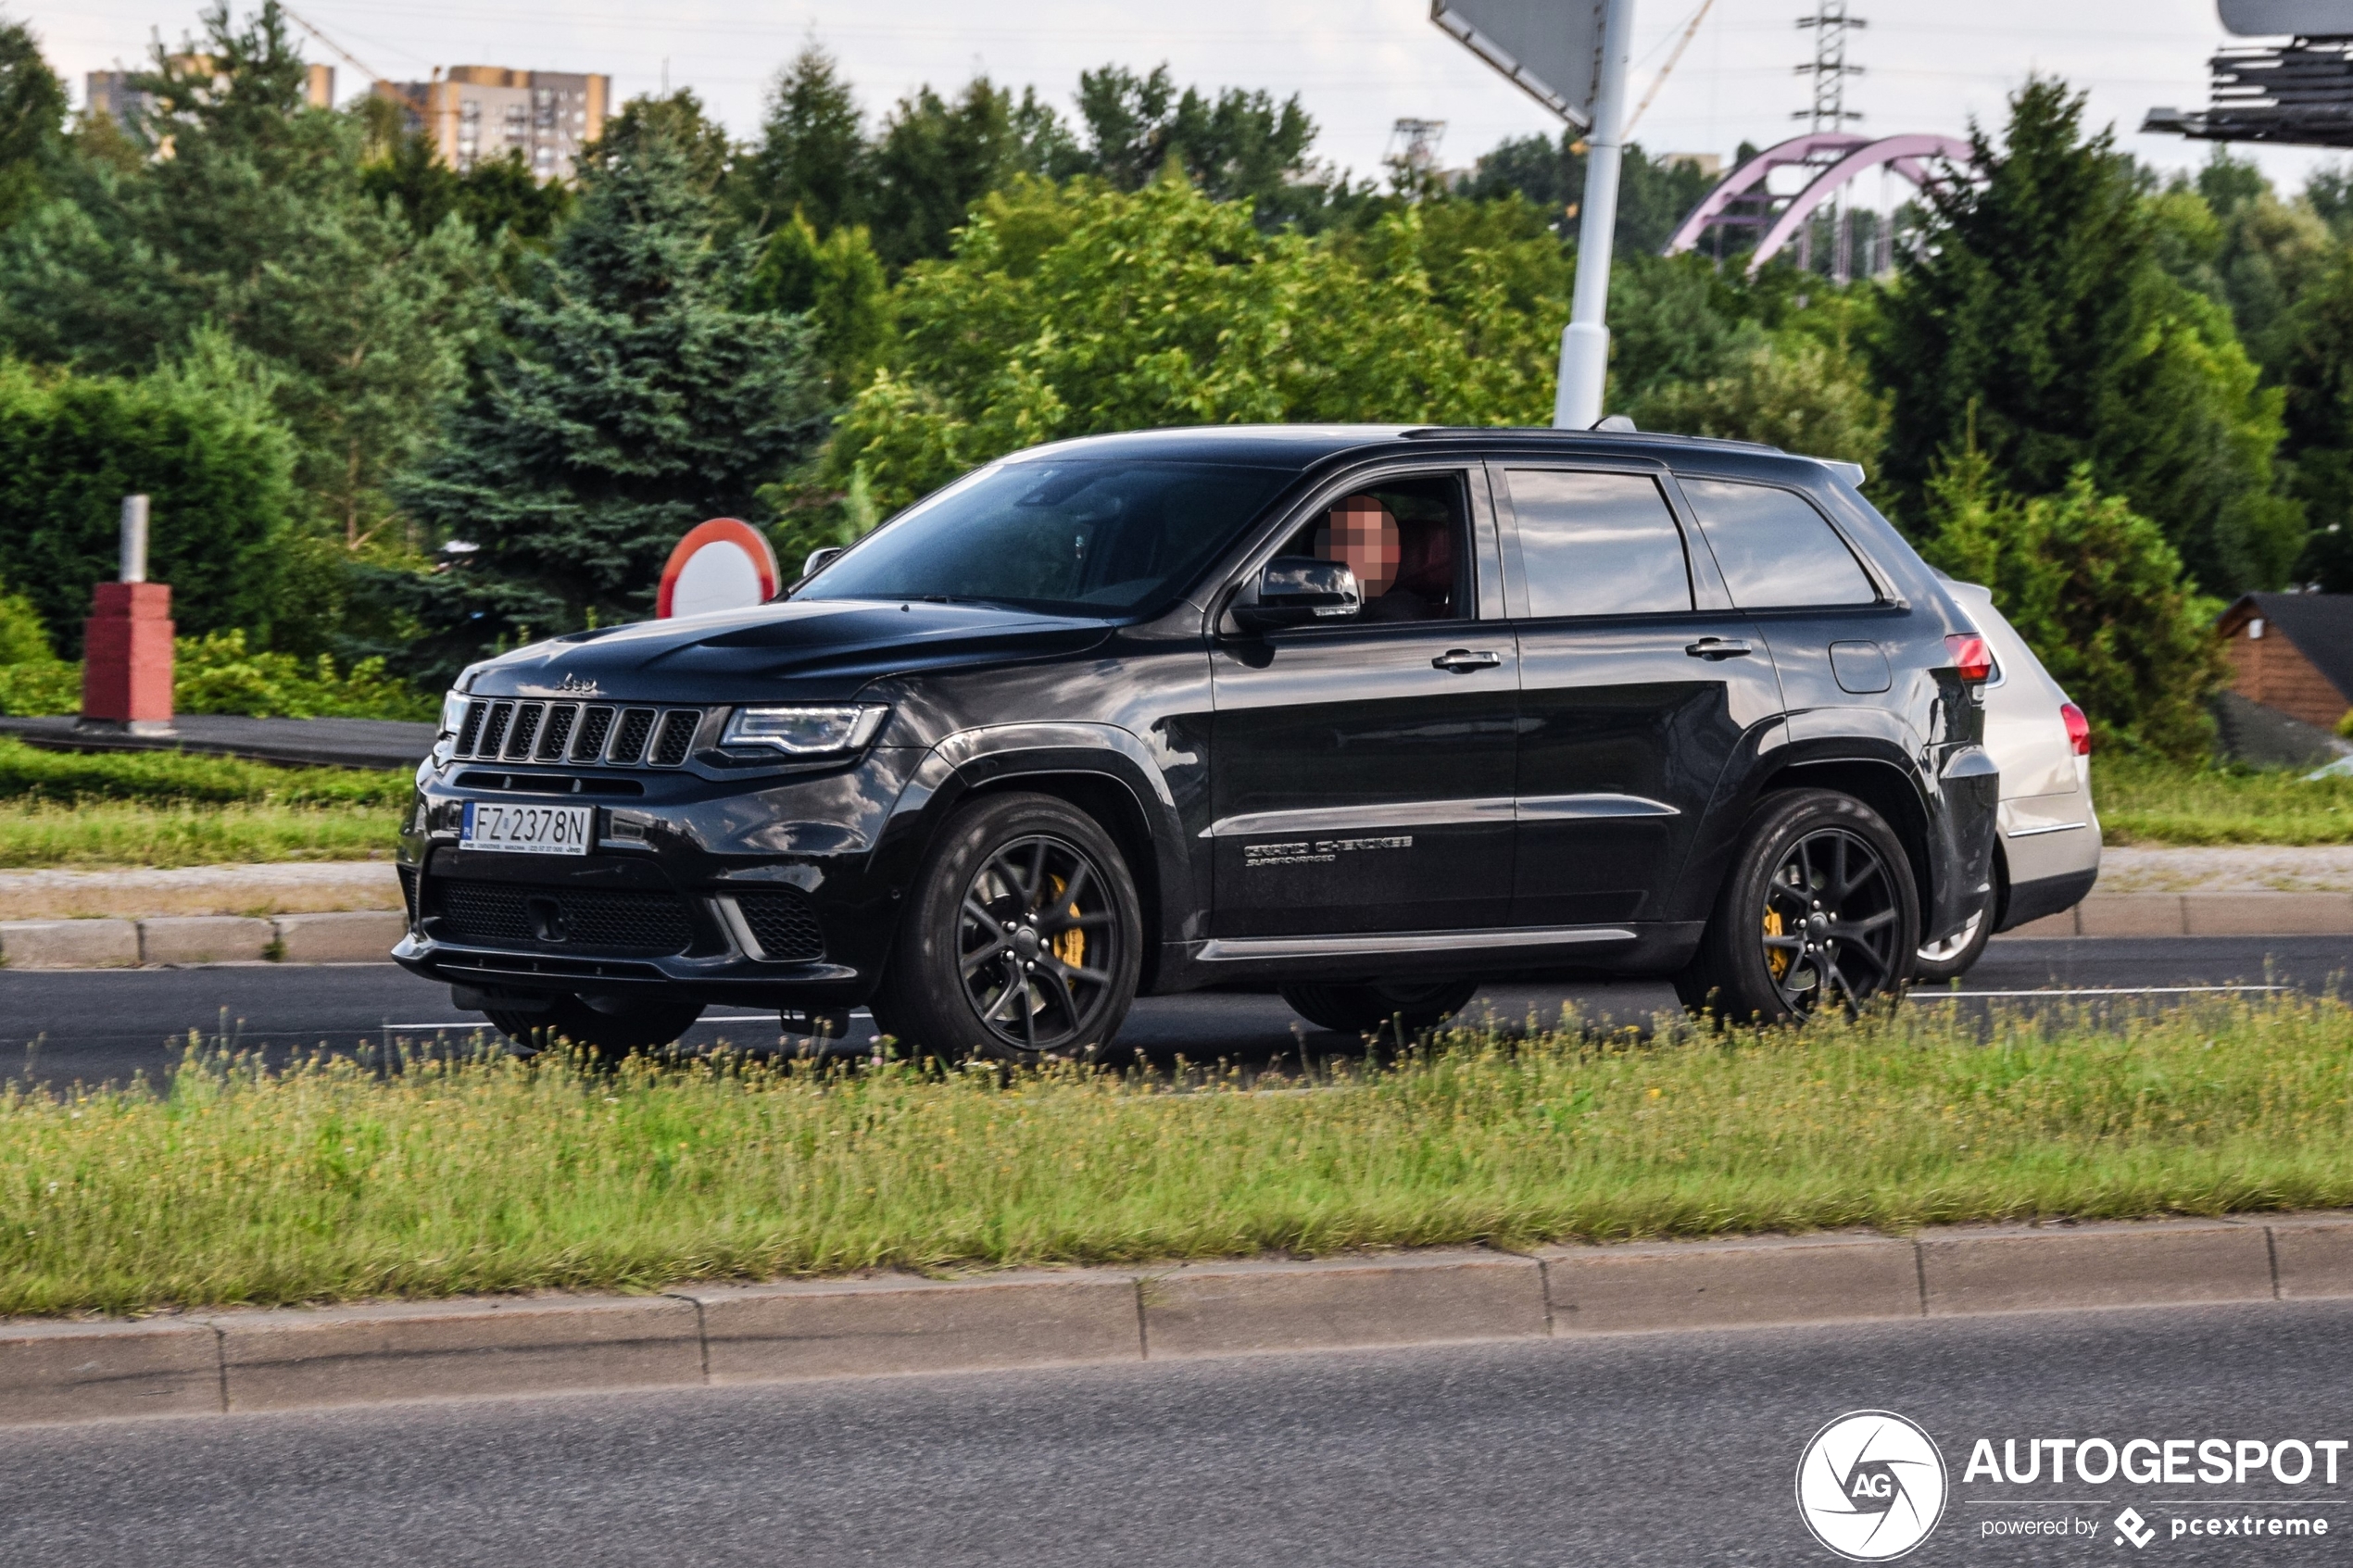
126	649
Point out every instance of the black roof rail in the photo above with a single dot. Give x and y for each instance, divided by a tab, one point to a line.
1423	433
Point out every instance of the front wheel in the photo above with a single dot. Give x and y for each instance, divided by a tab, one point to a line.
1819	911
1023	938
605	1028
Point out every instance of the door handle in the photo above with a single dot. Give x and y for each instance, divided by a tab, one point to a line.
1460	659
1719	648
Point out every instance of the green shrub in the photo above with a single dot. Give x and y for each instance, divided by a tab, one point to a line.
2097	593
219	675
1794	392
202	446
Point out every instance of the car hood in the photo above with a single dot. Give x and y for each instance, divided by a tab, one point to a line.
808	651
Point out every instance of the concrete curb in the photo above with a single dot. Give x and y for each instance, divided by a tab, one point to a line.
2199	914
702	1335
350	937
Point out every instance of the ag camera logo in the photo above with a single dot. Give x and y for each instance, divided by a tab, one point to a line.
1871	1486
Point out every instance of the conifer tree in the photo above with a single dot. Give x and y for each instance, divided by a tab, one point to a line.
628	399
812	156
2039	298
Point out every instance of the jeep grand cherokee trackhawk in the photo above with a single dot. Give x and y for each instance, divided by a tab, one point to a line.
1363	715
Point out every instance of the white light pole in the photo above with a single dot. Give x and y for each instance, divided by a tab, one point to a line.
1577	405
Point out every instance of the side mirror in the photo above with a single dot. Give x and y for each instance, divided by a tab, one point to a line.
1297	591
820	560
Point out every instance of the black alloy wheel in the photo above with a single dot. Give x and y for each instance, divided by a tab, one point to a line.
1831	924
1037	944
1022	940
1818	909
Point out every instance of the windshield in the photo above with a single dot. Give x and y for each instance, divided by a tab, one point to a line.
1075	537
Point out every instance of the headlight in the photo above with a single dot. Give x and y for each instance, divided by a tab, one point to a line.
453	712
806	732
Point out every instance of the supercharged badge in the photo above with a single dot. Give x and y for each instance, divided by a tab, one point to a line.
1317	851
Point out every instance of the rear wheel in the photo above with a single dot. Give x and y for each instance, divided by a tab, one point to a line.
1819	911
1365	1009
607	1027
1023	938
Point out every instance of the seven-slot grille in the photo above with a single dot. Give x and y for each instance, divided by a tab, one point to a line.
507	729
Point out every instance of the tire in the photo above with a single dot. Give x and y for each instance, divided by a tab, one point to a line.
1021	941
609	1031
1780	942
1951	958
1367	1009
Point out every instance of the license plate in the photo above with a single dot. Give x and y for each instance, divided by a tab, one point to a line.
526	829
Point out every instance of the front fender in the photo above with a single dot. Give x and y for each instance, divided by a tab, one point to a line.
1172	886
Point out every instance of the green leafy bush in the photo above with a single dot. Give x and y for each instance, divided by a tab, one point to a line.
1794	392
219	673
1067	310
207	450
2097	593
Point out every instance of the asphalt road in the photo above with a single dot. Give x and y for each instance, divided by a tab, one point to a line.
96	1025
1639	1450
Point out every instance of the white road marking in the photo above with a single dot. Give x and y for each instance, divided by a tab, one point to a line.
1925	996
706	1018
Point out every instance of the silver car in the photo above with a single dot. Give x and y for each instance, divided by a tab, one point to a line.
2046	854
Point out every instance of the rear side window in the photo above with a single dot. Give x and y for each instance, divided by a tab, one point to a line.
1774	549
1597	544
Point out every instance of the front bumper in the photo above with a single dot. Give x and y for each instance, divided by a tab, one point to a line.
749	889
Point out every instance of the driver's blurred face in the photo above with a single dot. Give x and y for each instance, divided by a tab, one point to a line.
1363	539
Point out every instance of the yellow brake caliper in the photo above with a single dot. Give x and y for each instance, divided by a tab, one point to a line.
1069	948
1776	958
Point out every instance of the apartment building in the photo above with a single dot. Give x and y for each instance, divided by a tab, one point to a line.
478	112
110	92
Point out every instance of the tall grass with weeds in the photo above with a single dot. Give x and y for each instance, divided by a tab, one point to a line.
483	1173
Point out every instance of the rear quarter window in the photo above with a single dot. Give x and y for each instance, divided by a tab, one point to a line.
1595	542
1774	549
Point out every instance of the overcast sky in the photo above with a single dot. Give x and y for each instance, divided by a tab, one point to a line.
1358	67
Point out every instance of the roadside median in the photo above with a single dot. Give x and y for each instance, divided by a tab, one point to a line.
900	1325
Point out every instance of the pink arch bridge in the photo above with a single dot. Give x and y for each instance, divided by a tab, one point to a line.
1837	156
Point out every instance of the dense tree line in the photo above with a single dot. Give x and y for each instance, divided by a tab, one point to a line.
390	408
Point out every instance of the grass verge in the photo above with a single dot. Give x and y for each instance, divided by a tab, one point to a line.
484	1173
96	833
2146	800
184	808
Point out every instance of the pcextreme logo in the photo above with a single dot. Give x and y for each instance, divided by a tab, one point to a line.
1871	1486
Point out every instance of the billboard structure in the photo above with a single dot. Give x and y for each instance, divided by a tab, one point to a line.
1571	58
2299	90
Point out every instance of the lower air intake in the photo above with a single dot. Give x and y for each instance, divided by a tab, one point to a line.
506	914
784	925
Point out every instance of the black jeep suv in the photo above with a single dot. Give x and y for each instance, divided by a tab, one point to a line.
1365	715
